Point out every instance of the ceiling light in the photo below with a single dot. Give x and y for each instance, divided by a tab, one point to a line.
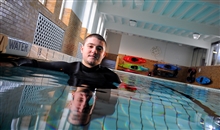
133	23
196	36
214	51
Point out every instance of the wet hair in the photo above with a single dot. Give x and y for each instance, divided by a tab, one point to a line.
98	36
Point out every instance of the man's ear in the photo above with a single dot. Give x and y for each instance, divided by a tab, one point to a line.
73	93
81	49
105	54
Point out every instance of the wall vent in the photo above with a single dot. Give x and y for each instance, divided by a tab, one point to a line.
48	34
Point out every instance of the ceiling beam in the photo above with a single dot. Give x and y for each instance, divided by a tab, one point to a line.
163	8
157	35
198	12
186	10
179	4
210	13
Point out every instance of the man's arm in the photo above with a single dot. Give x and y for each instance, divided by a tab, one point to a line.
55	65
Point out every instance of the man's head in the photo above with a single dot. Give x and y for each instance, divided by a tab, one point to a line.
93	50
80	109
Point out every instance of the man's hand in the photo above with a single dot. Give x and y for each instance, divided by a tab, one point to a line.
6	64
24	62
10	62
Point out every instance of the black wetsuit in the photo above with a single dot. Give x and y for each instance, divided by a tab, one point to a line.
79	74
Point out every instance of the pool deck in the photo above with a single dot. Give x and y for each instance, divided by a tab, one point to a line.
187	84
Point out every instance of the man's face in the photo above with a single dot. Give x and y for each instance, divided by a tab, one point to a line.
93	51
79	104
79	108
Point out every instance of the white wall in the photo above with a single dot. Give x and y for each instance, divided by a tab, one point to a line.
113	42
95	23
155	50
178	54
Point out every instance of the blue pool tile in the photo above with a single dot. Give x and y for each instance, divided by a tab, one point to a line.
156	100
183	124
159	119
147	103
136	103
171	115
168	107
173	127
134	112
146	109
183	116
191	112
135	118
123	110
109	123
147	114
158	113
170	119
166	101
196	126
135	124
96	123
160	127
123	100
180	111
148	125
123	124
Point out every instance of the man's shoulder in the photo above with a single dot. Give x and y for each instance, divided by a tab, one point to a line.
75	63
103	68
107	70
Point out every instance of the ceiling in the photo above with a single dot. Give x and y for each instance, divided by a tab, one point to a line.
166	20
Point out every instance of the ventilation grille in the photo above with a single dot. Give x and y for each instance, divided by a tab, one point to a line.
48	34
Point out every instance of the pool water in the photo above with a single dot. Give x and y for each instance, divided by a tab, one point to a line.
37	99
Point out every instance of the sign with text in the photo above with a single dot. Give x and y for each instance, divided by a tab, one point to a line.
18	47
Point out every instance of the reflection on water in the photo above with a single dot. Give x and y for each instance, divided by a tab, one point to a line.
47	107
38	99
81	106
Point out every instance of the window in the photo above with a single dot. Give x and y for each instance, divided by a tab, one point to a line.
215	53
42	1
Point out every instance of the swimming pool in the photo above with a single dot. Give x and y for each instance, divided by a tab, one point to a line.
37	99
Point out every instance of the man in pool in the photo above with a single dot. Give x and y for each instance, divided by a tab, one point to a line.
93	51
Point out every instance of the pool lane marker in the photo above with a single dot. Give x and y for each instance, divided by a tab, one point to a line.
205	108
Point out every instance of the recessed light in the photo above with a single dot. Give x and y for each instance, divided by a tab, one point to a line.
133	23
214	51
196	36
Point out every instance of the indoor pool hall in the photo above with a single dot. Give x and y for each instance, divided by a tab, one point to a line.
109	65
